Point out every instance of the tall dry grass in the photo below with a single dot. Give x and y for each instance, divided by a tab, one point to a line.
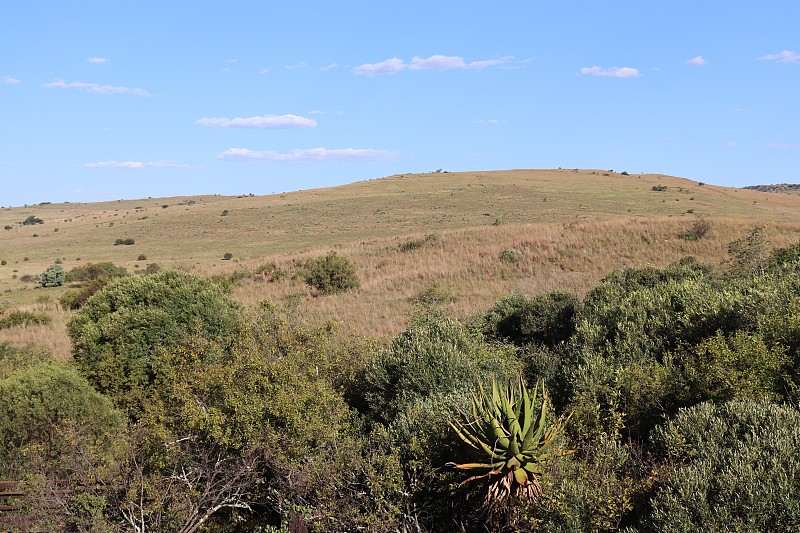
52	336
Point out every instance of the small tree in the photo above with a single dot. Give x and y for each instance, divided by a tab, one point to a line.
53	277
330	274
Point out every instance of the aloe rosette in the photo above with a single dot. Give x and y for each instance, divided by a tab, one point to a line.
511	437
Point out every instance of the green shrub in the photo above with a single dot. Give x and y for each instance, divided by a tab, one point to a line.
117	333
330	274
738	469
437	353
8	227
659	188
227	256
547	318
43	400
433	294
24	318
124	242
509	256
32	221
92	271
3	262
141	257
416	244
53	277
76	298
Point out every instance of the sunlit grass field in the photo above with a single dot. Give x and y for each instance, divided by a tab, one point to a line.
560	229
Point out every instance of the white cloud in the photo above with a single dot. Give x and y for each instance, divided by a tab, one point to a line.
434	63
264	71
613	72
265	121
437	63
96	88
97	60
390	66
786	56
781	146
136	164
326	68
312	154
11	80
697	61
301	64
478	65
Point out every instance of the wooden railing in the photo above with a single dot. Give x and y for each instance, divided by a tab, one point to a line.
9	508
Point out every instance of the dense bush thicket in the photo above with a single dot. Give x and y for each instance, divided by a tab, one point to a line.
679	386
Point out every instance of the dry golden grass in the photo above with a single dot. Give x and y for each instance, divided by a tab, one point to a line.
569	228
52	336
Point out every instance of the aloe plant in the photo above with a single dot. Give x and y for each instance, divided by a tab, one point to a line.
510	436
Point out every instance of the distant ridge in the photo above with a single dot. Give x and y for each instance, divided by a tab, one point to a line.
778	187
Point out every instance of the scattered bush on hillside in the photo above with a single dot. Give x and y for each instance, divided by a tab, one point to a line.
270	273
748	255
659	188
699	229
93	271
227	256
124	242
27	278
141	257
8	227
32	221
329	274
509	256
433	294
416	244
53	277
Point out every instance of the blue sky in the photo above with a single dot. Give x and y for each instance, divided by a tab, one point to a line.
107	100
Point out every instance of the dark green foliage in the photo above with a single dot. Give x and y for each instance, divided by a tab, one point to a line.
32	221
141	257
13	358
125	242
23	318
329	274
8	227
227	256
659	188
92	271
739	469
416	244
547	319
119	330
53	276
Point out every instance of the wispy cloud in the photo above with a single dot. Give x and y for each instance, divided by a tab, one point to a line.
488	121
320	112
326	68
390	66
697	61
781	146
434	63
97	60
312	154
296	66
264	121
231	60
613	72
264	71
786	56
97	88
136	164
11	80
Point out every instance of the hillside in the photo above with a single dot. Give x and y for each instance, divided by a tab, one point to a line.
565	228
